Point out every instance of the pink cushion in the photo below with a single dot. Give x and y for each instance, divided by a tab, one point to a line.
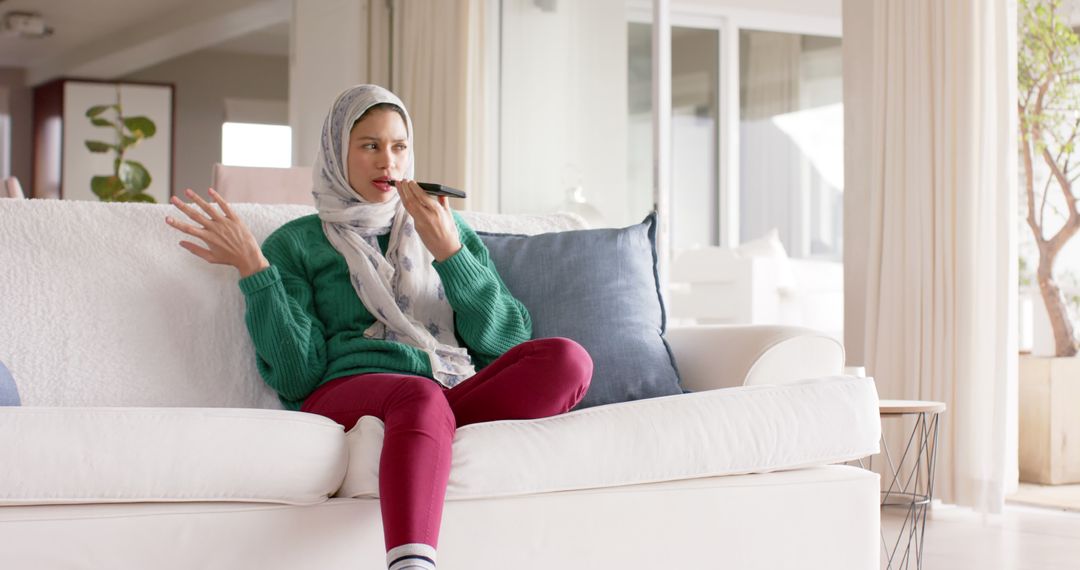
262	185
12	188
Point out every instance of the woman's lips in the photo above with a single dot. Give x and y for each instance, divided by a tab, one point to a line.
383	184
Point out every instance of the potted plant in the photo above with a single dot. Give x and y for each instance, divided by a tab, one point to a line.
129	178
1049	132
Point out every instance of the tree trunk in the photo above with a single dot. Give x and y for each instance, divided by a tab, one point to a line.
1064	341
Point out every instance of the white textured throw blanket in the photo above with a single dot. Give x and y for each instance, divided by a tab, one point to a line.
99	306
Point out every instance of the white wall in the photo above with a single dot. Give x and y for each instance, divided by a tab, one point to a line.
203	81
858	89
329	53
20	105
564	107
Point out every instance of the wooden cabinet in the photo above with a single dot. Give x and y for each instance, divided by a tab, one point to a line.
84	139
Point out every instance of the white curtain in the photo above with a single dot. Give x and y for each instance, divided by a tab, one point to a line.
941	283
438	71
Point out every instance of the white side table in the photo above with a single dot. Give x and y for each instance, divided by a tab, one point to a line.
909	478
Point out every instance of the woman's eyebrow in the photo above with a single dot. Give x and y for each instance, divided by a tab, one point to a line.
371	138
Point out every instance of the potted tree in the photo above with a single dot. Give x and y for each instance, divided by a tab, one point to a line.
1049	129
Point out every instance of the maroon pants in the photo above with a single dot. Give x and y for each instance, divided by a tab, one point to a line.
535	379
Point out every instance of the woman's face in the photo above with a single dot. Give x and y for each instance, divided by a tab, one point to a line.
378	152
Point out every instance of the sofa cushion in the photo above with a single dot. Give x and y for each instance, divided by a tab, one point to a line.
751	429
599	288
119	455
9	391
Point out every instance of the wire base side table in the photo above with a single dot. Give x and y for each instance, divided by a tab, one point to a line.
909	478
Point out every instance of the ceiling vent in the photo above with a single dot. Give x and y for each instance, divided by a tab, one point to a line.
24	25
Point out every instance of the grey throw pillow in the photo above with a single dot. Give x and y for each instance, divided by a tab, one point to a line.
599	288
9	395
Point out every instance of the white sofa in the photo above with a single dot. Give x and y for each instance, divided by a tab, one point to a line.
146	438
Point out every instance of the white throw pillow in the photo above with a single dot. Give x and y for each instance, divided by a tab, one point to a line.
769	246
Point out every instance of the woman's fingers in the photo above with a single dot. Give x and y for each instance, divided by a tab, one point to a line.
187	228
412	202
192	213
202	252
223	204
226	240
206	207
419	197
403	193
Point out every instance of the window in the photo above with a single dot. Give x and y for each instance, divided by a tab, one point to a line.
252	144
564	121
695	68
791	137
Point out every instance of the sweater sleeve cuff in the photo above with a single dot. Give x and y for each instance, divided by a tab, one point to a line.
259	281
461	271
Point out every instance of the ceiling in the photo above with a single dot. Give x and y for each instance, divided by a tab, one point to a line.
96	27
102	26
75	24
273	40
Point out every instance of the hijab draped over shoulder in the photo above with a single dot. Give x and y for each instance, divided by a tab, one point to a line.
401	290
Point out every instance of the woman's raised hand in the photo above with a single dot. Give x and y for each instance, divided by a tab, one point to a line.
228	240
434	222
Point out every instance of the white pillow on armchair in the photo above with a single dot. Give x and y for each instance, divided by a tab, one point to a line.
770	246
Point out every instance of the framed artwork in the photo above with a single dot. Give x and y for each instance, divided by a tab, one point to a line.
100	140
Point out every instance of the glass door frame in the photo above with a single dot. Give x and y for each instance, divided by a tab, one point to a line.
728	22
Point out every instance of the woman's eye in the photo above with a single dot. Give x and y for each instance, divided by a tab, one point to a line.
400	147
369	146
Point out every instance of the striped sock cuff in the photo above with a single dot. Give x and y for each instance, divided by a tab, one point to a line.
412	556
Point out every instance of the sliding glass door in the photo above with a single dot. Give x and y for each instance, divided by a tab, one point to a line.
694	127
791	141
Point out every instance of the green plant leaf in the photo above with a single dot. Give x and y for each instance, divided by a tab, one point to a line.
97	110
106	187
98	146
140	197
99	122
140	127
134	176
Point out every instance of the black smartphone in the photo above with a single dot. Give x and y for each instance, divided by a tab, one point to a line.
440	190
432	188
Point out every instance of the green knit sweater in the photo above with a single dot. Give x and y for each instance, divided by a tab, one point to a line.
307	323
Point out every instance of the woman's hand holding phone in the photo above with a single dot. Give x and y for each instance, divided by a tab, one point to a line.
434	222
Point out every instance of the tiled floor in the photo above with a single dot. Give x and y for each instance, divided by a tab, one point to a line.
1021	538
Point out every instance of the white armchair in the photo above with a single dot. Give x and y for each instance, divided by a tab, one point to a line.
725	356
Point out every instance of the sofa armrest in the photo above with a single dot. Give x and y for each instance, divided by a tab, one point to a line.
723	356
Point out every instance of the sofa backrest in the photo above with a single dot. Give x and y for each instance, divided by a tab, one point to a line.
99	306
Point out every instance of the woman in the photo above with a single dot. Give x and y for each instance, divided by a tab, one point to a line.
387	304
